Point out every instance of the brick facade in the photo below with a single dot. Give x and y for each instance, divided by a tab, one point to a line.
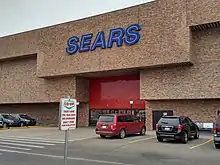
177	58
198	110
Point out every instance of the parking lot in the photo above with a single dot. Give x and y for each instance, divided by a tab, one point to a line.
38	146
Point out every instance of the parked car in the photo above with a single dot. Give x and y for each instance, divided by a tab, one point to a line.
24	119
216	133
176	128
9	121
119	125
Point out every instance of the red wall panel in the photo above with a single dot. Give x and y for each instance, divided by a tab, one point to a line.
115	92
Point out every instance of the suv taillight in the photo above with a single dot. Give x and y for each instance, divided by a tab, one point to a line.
214	130
180	127
157	127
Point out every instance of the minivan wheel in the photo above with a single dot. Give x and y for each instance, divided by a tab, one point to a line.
122	134
102	136
143	131
185	138
197	134
160	139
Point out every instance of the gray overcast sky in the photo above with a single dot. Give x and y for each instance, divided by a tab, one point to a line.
22	15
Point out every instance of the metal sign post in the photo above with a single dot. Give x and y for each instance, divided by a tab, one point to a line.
67	120
66	146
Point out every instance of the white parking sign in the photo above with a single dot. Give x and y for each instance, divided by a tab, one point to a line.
68	114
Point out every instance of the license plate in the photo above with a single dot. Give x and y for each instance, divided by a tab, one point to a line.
104	126
166	129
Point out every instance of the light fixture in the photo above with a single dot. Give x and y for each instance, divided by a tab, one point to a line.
131	102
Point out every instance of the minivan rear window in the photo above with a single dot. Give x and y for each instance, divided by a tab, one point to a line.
166	120
106	118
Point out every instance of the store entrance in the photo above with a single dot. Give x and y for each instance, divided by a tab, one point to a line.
94	114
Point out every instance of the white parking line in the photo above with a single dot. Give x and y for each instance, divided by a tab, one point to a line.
27	142
31	140
24	145
26	149
61	157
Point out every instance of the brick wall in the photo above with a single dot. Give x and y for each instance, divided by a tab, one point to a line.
197	110
83	115
46	114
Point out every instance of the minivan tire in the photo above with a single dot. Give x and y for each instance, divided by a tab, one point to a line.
122	134
143	131
102	136
185	138
197	134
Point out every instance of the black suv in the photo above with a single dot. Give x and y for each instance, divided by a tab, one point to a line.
176	128
217	133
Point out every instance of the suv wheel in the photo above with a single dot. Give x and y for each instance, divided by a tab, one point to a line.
102	136
197	134
160	139
122	134
185	138
217	146
22	124
143	131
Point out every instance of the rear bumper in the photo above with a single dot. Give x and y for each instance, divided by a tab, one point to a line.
106	133
165	135
217	139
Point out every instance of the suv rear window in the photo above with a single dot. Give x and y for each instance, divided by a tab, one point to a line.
170	120
106	118
218	120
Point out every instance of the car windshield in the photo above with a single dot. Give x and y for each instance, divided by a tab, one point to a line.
25	116
8	117
171	120
106	118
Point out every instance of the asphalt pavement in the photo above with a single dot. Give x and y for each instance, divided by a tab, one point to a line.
46	146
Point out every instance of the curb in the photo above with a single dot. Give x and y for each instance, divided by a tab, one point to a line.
25	127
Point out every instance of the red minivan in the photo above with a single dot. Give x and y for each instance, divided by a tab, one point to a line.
119	125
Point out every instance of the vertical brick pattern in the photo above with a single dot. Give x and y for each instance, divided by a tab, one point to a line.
197	110
46	114
83	115
148	111
82	89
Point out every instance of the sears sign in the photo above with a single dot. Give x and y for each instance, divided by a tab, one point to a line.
89	42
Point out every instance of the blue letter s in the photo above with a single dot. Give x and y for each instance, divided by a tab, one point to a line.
72	45
132	33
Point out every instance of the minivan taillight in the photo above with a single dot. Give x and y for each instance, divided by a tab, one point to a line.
157	127
113	126
180	127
